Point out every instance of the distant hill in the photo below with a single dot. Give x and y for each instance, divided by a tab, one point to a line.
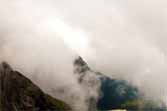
18	93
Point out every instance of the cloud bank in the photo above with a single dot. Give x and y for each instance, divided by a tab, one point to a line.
121	38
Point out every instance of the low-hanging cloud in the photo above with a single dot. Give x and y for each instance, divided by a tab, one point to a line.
31	47
121	38
128	42
126	39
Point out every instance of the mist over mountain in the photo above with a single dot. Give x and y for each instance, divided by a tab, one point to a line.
115	93
122	43
18	93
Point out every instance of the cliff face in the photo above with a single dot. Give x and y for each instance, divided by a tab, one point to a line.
18	93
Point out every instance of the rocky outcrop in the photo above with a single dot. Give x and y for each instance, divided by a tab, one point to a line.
18	93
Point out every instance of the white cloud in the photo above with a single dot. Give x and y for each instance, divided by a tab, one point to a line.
124	39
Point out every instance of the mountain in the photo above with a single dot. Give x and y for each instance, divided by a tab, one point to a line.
117	94
18	93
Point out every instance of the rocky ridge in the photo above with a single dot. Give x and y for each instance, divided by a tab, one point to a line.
18	93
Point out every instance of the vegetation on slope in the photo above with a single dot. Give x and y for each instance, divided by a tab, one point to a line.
18	93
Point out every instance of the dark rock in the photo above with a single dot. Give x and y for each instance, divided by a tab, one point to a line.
18	93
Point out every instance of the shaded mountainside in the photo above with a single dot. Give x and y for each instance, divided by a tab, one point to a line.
115	93
118	94
18	93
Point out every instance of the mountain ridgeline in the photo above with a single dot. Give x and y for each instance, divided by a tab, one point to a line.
18	93
117	94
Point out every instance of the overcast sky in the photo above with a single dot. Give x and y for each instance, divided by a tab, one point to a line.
121	38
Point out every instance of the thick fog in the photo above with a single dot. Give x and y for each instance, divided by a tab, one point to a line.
121	38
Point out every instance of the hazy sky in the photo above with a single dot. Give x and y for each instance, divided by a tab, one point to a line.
121	38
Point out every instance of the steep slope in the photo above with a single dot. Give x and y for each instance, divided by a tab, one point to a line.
18	93
119	94
116	93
